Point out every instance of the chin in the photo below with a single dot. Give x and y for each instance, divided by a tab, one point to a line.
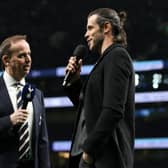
26	72
91	47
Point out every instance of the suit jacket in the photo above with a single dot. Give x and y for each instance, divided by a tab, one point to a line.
8	138
108	102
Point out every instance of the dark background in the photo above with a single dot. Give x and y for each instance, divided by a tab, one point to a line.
54	28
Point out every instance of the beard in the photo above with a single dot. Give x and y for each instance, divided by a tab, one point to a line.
97	43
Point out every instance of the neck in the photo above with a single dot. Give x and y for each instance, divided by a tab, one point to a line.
104	47
16	77
106	43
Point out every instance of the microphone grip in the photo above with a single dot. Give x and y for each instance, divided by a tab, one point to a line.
66	78
24	104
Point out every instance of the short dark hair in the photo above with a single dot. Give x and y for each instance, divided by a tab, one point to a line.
117	21
5	47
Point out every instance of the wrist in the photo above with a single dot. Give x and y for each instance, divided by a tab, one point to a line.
87	158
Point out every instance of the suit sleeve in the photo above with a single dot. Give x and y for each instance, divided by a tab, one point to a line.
5	123
117	69
73	92
6	110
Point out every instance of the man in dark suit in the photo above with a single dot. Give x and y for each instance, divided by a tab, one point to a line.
104	131
16	60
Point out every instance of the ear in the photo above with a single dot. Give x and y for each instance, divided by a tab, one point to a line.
107	27
5	60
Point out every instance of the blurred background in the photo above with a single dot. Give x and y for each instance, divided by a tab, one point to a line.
55	28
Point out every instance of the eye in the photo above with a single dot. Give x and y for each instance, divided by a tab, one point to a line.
21	56
24	55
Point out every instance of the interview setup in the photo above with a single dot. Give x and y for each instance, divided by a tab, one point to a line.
148	103
83	84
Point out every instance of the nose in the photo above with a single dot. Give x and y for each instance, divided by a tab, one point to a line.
86	35
28	58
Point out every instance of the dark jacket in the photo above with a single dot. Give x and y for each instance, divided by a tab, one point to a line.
108	103
9	139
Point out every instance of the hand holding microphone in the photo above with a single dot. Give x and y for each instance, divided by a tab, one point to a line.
21	114
74	65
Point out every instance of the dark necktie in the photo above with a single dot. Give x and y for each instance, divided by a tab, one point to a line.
23	131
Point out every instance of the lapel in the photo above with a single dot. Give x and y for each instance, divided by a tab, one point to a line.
111	47
82	92
35	111
6	103
35	128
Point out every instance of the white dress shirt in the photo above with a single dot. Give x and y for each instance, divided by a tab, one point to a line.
12	91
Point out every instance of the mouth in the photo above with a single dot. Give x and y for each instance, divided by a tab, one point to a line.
27	67
89	42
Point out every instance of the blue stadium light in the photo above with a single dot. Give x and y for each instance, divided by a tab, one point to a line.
140	143
143	97
151	97
52	102
43	73
138	66
147	112
61	146
151	143
148	65
60	71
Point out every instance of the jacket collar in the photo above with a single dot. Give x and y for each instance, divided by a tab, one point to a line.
106	51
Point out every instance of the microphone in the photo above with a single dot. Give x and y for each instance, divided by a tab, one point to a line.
80	51
27	94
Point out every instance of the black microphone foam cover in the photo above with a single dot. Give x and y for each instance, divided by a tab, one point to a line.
80	51
27	94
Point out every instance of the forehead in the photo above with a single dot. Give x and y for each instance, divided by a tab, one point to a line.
19	46
92	20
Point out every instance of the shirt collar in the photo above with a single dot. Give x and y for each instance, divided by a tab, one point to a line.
10	81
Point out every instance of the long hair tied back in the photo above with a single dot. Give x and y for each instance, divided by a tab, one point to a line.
116	19
122	37
123	17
